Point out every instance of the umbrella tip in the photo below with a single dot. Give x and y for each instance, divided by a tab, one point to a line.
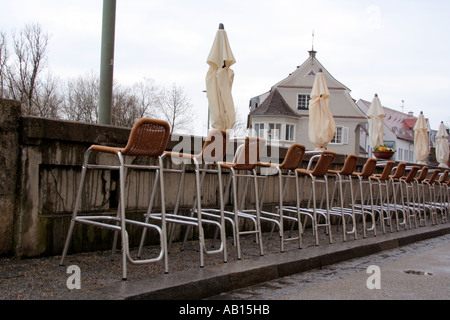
320	70
376	94
421	112
221	27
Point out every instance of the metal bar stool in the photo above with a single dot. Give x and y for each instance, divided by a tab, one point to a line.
423	172
440	202
365	207
213	151
244	166
286	172
396	186
382	180
430	204
446	192
148	138
318	176
344	176
411	209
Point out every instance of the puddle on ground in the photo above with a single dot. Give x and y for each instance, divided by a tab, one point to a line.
417	272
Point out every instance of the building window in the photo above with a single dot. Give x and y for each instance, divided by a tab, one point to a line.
259	130
289	133
303	102
274	131
340	136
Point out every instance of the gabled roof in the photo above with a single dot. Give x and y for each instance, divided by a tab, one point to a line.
275	105
310	68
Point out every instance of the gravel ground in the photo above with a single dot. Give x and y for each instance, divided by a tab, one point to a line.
43	278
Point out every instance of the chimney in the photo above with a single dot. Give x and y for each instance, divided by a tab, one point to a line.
411	114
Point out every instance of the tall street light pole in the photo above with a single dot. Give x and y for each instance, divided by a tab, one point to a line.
107	61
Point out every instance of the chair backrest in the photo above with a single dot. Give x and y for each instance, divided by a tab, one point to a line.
294	157
400	171
444	177
349	165
247	155
215	146
412	174
369	167
324	163
434	176
423	174
148	138
387	170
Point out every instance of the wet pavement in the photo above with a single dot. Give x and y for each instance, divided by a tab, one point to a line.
100	277
418	271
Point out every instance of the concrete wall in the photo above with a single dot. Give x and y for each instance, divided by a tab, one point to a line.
9	162
40	170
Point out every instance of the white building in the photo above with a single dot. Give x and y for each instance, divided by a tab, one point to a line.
281	115
398	132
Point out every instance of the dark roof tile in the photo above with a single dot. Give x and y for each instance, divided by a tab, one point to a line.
274	104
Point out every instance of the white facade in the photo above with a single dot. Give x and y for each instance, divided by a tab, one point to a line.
398	132
290	116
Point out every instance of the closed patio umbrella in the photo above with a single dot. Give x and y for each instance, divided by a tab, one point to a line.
219	81
421	139
321	123
442	150
375	116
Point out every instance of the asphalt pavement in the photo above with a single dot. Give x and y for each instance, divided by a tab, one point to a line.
100	276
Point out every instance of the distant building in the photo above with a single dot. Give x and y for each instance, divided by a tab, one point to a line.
281	115
398	132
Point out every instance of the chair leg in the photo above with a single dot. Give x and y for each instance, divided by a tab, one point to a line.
300	227
280	195
163	217
76	207
328	210
363	210
122	217
149	211
341	195
315	212
236	213
258	214
381	211
201	236
222	217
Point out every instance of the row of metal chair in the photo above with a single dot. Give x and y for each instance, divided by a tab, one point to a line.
405	197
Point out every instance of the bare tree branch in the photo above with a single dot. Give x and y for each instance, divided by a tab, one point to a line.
30	48
176	109
3	65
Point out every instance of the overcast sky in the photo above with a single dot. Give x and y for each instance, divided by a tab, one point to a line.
398	49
